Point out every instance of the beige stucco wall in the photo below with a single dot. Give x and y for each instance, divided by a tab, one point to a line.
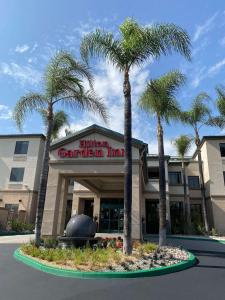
216	166
26	200
31	163
22	193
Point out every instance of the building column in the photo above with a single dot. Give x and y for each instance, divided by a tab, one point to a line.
51	209
62	206
136	205
75	204
96	212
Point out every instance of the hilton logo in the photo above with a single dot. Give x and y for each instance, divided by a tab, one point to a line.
91	148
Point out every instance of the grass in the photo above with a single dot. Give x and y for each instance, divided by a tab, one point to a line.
87	258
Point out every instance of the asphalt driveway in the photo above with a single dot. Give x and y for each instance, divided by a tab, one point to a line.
204	281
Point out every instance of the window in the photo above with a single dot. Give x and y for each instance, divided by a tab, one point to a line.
193	182
71	181
224	177
12	207
153	173
174	178
21	147
222	149
17	174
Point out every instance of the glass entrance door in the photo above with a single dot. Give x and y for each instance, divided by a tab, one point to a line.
88	207
176	216
152	216
111	215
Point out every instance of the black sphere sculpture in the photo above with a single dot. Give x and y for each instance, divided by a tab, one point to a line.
81	226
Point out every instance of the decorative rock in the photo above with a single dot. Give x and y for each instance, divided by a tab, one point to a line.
80	226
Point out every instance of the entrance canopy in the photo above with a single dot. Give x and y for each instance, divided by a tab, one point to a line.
94	157
102	184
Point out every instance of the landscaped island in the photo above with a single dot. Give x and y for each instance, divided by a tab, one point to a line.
108	257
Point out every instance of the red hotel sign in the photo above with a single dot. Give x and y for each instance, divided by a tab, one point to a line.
91	148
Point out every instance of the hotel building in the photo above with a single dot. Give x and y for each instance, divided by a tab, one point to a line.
86	176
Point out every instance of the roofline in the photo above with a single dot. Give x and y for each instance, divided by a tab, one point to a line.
156	156
208	137
95	128
25	135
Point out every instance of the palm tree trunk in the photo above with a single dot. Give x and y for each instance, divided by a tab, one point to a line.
162	186
187	217
43	179
127	243
202	185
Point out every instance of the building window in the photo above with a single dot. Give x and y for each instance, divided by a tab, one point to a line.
193	182
21	147
17	174
174	178
12	207
153	173
222	149
224	177
71	181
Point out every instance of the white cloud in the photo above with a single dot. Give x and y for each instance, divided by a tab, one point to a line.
22	48
199	75
109	85
216	67
34	47
205	27
202	73
5	112
169	149
22	74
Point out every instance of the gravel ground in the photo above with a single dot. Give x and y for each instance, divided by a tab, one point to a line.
163	256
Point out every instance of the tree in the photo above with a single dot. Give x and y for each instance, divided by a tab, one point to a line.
63	84
135	45
60	119
183	144
199	115
159	100
219	121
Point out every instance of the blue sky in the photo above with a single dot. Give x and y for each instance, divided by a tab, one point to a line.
32	31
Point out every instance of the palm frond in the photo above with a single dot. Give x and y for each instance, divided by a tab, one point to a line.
65	69
86	101
102	44
221	100
43	113
169	37
60	119
27	105
183	144
216	121
159	96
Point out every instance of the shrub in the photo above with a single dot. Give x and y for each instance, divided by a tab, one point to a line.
146	248
50	242
19	226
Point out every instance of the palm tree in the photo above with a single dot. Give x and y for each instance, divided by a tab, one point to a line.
60	119
199	115
135	45
183	144
219	121
63	84
159	100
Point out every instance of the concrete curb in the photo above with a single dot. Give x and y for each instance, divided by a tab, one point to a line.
202	239
18	255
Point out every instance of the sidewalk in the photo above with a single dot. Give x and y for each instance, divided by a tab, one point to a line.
16	239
